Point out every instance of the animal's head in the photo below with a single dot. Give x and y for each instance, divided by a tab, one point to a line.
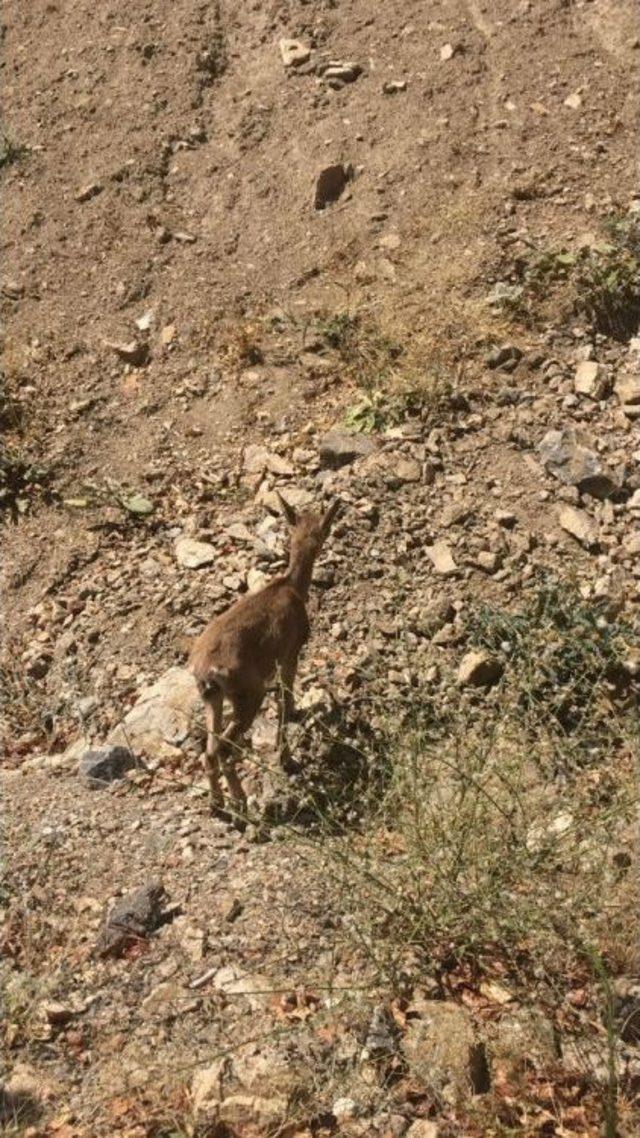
309	530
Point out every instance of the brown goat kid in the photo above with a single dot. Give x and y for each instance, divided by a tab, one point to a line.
241	650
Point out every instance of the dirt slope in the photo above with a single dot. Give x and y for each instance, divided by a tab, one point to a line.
159	189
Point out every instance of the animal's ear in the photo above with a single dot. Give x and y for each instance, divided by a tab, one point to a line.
287	511
329	516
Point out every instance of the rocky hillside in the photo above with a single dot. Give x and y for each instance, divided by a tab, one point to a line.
326	249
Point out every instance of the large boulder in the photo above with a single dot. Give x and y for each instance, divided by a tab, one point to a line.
160	720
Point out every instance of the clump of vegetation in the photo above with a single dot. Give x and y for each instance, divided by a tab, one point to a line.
473	855
21	479
398	380
607	280
366	351
241	344
10	151
601	281
570	661
10	407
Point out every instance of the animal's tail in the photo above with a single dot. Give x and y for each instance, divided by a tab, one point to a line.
184	645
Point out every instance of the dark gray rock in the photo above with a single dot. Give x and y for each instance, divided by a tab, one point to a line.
330	184
106	764
382	1036
567	457
627	1008
133	918
507	357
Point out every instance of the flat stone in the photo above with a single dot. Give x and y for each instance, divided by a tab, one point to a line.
160	719
479	669
435	616
441	558
194	554
580	525
240	532
575	464
294	53
406	470
192	939
206	1087
256	459
57	1013
455	514
631	544
245	1110
627	388
339	448
505	518
488	561
394	469
104	765
295	496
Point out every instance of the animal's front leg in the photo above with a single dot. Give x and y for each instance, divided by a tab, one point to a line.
213	718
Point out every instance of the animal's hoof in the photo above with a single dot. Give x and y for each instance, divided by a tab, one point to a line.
288	763
218	810
258	833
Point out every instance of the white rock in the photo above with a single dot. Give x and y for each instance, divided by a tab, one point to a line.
441	558
194	554
627	388
590	379
240	532
561	824
580	525
160	720
206	1086
256	580
344	1108
294	53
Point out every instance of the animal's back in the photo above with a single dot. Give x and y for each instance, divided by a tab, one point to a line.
249	636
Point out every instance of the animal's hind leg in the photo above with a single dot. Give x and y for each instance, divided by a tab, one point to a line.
245	708
286	706
213	716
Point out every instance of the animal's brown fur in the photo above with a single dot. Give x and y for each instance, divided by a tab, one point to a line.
241	650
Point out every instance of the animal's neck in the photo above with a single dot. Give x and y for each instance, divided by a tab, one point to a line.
299	571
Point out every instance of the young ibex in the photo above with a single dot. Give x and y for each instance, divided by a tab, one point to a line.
241	650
